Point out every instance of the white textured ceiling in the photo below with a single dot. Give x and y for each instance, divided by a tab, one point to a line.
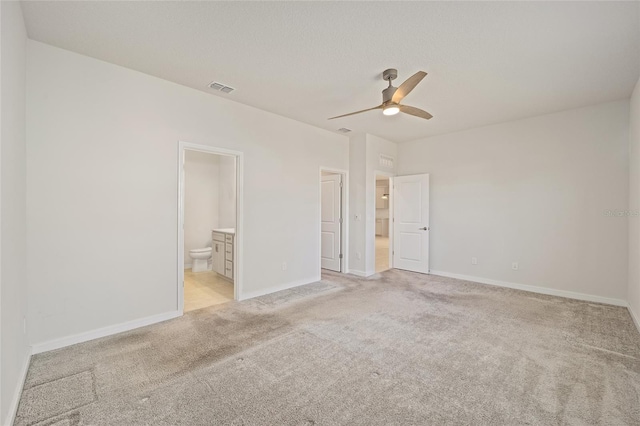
487	62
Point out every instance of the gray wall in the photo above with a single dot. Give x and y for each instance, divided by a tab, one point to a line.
634	204
533	191
13	283
102	194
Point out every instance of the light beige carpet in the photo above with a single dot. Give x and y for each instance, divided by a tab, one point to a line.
396	349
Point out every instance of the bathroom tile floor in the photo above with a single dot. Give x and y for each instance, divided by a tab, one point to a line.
202	289
382	253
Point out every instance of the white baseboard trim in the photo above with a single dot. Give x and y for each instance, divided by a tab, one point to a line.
635	318
357	273
534	289
15	400
101	332
257	293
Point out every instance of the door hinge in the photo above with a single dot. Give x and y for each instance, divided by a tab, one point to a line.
340	256
340	184
340	220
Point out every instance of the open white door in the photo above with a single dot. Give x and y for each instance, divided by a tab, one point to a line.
330	214
411	223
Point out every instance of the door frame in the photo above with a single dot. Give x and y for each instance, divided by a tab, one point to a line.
390	175
344	229
238	240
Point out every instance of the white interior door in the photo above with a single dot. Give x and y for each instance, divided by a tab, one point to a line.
330	213
411	223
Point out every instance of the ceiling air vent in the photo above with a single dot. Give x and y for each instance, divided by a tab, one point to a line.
220	87
344	130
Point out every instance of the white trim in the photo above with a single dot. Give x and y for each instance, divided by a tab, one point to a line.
292	284
534	289
188	266
238	245
344	235
101	332
17	393
357	273
389	175
635	319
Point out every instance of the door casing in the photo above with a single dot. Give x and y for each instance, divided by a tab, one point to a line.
371	239
237	244
344	234
331	225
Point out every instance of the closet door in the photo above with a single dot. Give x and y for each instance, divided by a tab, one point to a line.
411	225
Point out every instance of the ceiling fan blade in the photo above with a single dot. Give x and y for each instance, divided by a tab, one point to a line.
357	112
415	111
406	87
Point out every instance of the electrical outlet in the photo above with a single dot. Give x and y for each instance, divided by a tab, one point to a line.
284	266
474	260
514	266
359	255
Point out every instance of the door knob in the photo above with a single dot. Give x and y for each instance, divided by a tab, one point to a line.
423	229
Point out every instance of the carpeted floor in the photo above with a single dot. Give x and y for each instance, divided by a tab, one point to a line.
396	349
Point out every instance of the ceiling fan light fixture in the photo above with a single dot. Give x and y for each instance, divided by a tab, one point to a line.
391	110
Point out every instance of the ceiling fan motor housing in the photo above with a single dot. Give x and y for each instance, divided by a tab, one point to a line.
387	94
389	75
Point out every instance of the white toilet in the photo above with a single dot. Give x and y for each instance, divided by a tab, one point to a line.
200	259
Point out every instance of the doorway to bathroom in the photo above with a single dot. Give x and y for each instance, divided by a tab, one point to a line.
382	227
209	213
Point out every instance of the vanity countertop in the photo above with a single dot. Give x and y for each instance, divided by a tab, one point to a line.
231	231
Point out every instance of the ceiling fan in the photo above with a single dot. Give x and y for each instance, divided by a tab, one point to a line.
391	96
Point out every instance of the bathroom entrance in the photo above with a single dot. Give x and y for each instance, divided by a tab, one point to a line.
382	228
208	261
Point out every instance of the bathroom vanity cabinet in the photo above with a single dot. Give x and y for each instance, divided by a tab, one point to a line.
222	252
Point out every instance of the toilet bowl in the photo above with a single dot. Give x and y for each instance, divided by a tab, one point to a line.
200	259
